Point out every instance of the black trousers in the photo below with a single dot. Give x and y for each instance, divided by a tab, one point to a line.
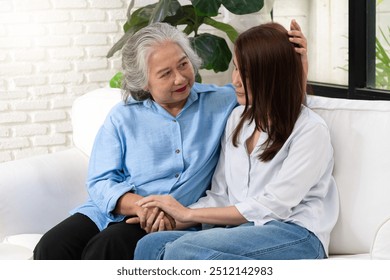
77	237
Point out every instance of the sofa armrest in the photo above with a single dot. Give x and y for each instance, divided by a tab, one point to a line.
380	249
38	192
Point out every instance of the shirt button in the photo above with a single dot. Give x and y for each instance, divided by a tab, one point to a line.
177	175
174	120
177	151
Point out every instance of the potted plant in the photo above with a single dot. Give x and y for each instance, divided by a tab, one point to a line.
213	49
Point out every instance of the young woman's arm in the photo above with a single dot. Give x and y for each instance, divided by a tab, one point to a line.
215	215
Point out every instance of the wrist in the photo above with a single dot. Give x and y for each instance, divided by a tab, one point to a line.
126	204
190	216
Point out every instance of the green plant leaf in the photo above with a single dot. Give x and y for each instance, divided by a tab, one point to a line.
241	7
116	81
206	7
382	75
119	45
184	16
163	9
138	20
198	78
227	28
128	13
140	17
213	50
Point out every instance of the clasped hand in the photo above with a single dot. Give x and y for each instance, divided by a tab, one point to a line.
152	219
169	205
160	212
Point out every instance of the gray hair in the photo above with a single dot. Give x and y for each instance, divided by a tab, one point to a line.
136	51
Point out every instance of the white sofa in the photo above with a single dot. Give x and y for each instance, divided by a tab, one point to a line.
36	193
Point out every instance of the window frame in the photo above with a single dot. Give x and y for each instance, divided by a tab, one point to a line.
361	57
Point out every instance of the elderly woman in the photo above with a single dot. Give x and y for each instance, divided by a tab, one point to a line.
164	138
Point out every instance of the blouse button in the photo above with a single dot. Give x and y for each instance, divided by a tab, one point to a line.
177	151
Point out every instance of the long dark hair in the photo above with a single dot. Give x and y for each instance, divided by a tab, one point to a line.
272	71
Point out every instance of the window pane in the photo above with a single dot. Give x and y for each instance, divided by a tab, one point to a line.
382	77
325	25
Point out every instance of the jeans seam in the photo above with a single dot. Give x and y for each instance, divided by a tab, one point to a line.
161	251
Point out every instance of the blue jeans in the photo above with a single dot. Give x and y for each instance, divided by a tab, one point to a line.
273	241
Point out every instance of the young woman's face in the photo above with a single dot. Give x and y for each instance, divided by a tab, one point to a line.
237	83
171	75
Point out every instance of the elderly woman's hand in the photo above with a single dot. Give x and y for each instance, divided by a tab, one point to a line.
297	37
149	219
152	220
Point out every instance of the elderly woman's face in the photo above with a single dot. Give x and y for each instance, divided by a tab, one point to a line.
171	76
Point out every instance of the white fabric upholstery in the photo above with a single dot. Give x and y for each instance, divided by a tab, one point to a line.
27	240
360	132
14	252
381	246
88	114
38	192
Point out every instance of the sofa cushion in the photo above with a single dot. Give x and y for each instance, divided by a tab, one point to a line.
14	252
25	240
381	245
38	192
360	132
88	114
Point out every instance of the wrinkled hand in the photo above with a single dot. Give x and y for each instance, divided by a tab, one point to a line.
297	37
152	220
168	204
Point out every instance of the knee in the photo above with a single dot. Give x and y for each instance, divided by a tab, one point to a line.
180	250
144	248
98	247
48	248
152	246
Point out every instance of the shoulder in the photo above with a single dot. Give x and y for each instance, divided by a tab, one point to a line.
119	109
236	113
309	117
234	118
216	96
124	112
310	123
211	88
211	91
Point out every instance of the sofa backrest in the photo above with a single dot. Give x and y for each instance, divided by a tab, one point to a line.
360	133
88	114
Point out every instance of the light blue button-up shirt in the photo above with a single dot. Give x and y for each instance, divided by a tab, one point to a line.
143	149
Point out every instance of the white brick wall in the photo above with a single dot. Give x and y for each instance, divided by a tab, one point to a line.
51	51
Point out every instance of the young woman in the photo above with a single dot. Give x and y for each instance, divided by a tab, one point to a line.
273	195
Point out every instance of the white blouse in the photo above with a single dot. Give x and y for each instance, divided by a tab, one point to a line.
295	186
